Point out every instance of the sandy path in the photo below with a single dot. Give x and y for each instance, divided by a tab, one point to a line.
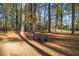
13	44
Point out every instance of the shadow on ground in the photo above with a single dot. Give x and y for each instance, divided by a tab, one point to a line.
36	48
69	47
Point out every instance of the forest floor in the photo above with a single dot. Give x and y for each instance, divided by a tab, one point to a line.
15	44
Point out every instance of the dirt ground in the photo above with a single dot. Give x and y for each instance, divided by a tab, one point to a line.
15	44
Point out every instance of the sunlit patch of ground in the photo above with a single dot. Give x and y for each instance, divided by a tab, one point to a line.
17	48
13	44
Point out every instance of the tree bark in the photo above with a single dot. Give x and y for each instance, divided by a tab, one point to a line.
16	18
56	18
61	18
23	18
49	19
73	18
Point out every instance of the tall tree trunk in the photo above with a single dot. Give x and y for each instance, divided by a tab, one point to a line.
16	17
20	17
56	19
23	18
31	11
73	18
33	16
49	19
61	19
26	17
5	17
